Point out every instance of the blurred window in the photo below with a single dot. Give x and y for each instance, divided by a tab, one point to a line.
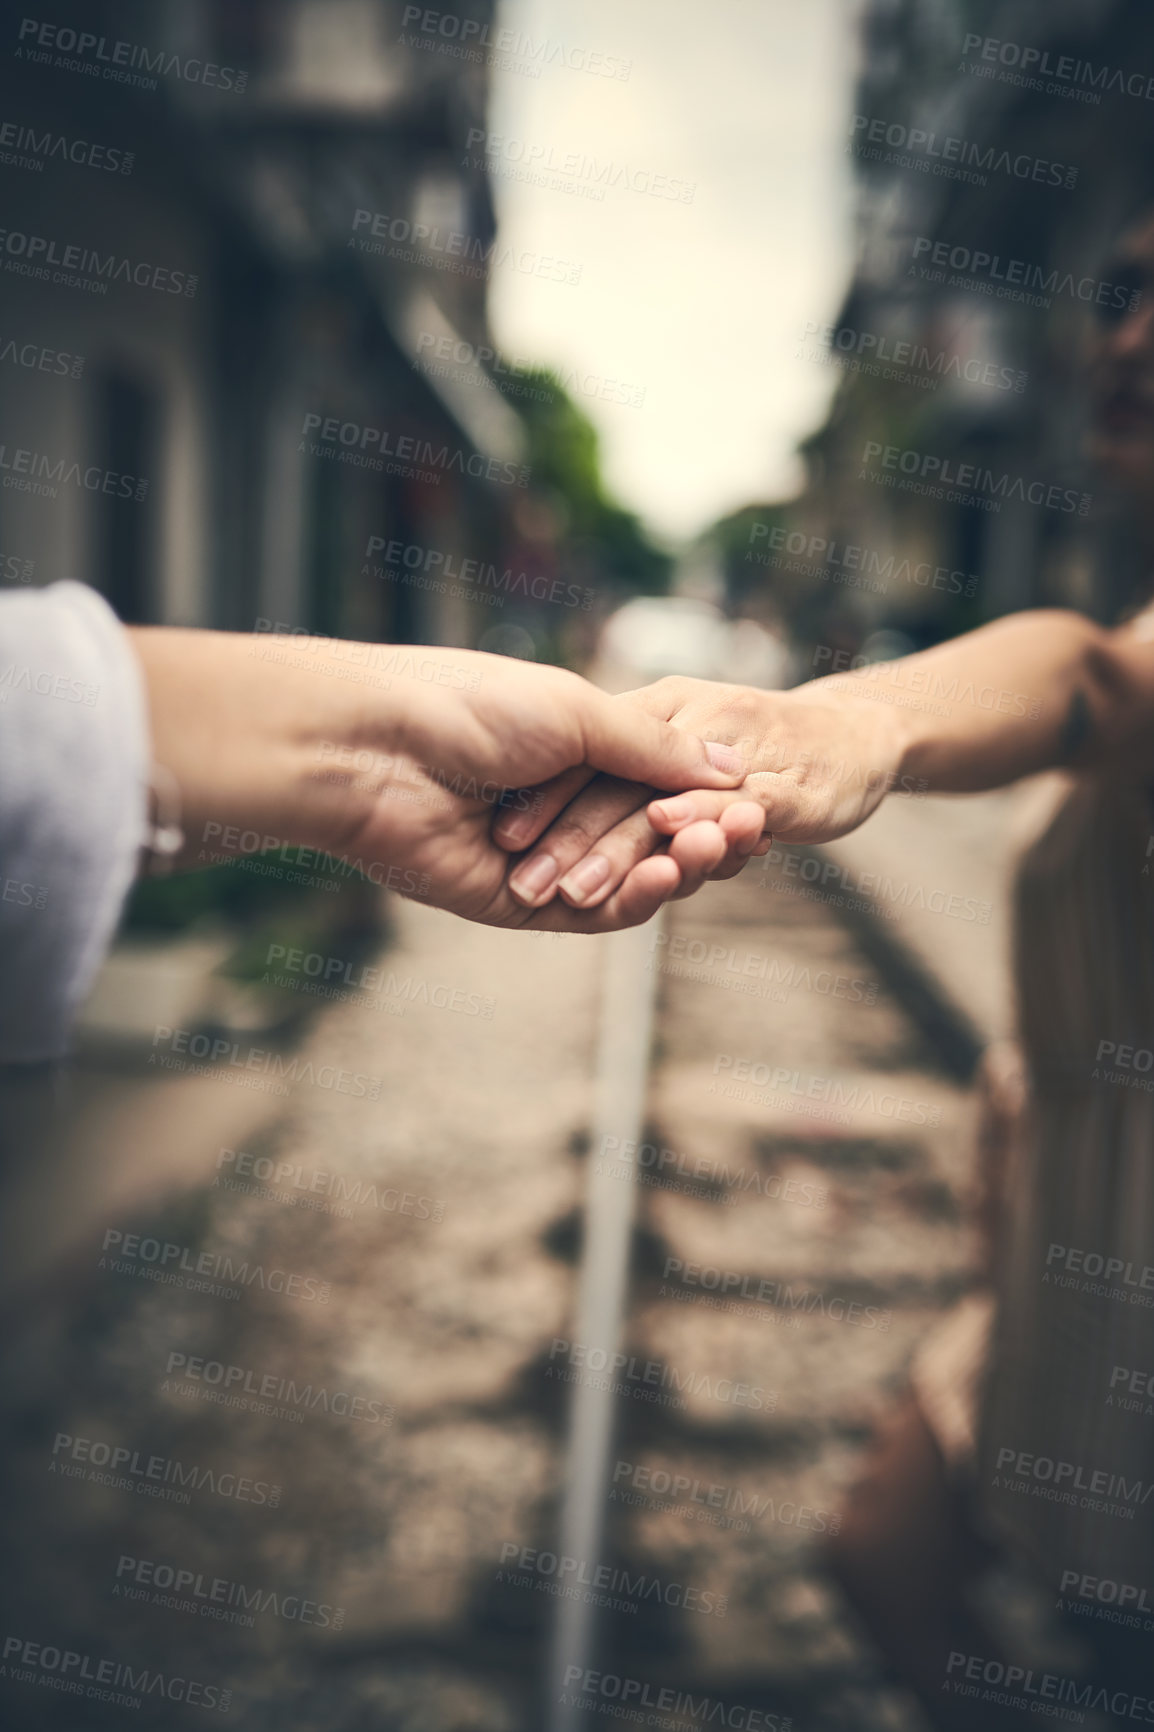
127	446
244	33
440	201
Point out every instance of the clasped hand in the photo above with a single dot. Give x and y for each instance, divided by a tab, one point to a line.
442	764
819	764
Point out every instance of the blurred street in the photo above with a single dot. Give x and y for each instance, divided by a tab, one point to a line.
593	338
444	1220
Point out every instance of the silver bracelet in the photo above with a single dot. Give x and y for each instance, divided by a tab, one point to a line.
164	837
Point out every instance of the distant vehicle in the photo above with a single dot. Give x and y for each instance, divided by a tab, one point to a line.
655	635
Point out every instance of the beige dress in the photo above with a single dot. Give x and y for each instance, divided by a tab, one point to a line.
1026	1377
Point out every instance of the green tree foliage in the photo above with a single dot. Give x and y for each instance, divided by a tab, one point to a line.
564	454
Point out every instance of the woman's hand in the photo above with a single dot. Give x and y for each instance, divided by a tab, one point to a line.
821	761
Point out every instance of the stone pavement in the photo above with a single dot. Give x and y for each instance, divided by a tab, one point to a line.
404	1271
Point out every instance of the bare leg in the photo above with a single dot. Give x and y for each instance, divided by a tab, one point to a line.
902	1559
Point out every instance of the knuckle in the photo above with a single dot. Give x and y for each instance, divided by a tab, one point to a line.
574	834
582	829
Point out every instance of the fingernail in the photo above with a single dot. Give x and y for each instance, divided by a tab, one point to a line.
580	884
512	829
531	880
674	810
725	758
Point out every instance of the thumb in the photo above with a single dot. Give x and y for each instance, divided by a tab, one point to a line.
624	741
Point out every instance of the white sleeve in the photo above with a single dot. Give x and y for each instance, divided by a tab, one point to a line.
74	755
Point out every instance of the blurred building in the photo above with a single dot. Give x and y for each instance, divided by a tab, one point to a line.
234	233
1000	146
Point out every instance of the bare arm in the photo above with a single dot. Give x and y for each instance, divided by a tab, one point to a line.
1021	695
395	757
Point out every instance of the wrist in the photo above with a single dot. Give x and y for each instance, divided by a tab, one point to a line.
887	731
901	744
266	736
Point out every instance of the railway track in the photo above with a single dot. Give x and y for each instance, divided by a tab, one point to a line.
788	1188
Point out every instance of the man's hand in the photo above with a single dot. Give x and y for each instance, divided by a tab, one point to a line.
398	758
821	762
477	754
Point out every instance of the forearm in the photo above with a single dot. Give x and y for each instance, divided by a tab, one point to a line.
401	755
249	738
1024	694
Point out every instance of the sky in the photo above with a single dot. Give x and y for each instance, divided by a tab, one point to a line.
692	308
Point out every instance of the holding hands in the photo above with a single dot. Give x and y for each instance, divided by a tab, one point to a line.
521	795
399	759
819	764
